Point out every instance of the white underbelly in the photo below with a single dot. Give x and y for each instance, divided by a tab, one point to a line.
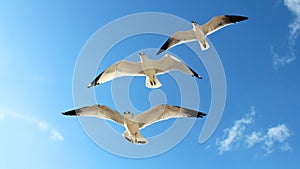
131	126
199	34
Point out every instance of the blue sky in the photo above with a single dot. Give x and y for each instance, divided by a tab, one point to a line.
41	41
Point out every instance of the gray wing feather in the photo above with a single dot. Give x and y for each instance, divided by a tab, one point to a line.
176	39
119	69
169	63
164	112
219	22
99	111
184	36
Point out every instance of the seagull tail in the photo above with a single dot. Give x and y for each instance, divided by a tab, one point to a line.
137	139
204	44
153	83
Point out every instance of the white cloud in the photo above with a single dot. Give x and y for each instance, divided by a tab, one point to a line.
282	60
276	134
294	7
239	134
42	125
254	138
286	147
55	135
2	116
235	133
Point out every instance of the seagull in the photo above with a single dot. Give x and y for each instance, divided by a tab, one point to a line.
200	32
146	67
134	123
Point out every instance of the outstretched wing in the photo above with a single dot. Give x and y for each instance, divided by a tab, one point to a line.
169	63
164	112
99	111
219	22
119	69
177	38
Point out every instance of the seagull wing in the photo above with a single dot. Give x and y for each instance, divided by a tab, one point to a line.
119	69
169	63
164	112
176	39
100	111
219	22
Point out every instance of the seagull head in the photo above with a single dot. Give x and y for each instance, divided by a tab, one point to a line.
194	23
128	114
143	56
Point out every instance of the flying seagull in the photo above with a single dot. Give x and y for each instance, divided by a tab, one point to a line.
146	67
134	123
200	32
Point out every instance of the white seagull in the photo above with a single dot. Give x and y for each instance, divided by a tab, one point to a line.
146	67
200	32
134	123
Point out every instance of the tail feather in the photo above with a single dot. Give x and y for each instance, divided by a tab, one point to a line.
204	44
152	83
137	139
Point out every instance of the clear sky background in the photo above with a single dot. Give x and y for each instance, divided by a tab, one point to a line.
40	43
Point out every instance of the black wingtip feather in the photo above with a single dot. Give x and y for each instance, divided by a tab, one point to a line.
235	18
160	51
201	115
164	46
70	113
195	74
94	82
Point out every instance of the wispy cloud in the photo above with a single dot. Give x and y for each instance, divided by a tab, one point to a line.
286	147
240	134
42	125
235	133
2	116
274	135
282	60
277	134
294	7
254	138
55	135
294	27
